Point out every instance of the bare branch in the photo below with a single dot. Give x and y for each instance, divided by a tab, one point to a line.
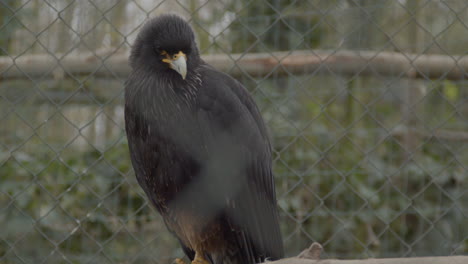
312	256
423	260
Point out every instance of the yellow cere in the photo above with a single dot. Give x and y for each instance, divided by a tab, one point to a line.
168	58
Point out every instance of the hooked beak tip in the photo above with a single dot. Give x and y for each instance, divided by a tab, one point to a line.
180	66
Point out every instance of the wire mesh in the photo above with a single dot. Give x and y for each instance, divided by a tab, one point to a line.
370	155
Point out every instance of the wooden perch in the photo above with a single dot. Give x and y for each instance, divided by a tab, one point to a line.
348	62
312	256
442	134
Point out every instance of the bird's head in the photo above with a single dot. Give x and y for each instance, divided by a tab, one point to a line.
165	45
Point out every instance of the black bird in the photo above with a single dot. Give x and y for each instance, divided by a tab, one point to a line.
200	149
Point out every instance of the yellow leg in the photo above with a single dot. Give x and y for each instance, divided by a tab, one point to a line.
179	261
199	259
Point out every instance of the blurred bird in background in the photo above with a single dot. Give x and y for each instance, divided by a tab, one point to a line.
200	149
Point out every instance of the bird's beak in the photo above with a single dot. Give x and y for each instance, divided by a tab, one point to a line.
178	63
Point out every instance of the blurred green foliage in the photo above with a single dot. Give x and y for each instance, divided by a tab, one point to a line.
7	17
343	179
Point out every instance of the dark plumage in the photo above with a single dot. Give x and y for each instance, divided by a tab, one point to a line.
200	149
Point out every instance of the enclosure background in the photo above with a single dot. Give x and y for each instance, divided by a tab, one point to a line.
369	165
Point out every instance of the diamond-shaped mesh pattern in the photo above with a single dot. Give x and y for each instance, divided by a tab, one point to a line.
366	101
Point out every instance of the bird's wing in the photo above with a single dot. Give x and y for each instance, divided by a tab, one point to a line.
143	155
141	158
236	137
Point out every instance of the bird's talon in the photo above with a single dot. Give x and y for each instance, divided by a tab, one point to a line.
199	260
179	261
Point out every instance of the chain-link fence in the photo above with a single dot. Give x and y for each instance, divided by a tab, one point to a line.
366	102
